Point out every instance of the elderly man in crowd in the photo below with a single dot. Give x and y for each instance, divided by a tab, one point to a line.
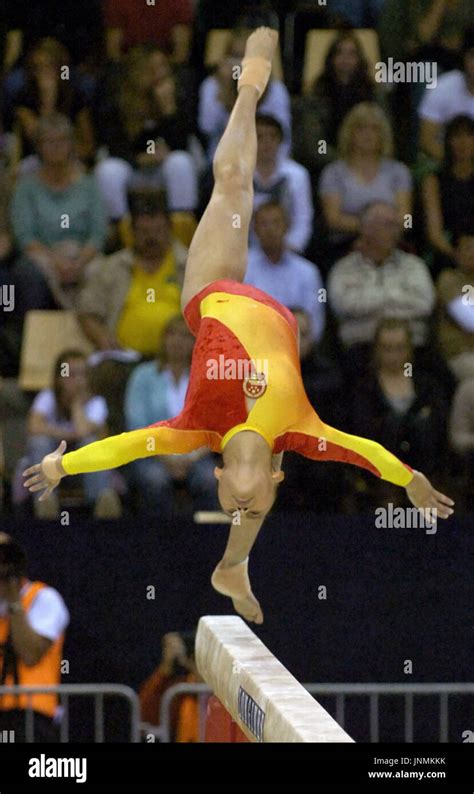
379	280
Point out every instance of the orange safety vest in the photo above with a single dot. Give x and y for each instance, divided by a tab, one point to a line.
46	673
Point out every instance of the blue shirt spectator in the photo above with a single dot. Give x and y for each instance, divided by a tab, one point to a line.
286	276
153	395
156	391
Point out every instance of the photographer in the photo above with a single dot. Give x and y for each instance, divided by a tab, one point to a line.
33	619
177	666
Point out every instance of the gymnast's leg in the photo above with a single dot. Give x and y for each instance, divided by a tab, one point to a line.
219	248
231	575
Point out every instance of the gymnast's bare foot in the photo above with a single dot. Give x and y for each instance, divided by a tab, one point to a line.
262	43
233	581
249	608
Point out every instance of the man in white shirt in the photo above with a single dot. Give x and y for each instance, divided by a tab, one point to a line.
379	280
286	276
33	620
453	96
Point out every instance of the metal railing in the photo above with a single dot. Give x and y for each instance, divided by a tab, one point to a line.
64	691
339	692
201	690
162	732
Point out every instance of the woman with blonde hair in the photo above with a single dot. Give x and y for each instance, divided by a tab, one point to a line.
364	172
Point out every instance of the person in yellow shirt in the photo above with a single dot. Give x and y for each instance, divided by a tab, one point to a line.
245	397
130	296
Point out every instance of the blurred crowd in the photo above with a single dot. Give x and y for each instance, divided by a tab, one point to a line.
363	226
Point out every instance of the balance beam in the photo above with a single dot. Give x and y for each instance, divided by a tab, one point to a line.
264	699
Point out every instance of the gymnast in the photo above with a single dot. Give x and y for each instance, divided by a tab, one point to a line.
253	418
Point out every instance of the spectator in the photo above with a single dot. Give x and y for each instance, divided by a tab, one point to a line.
357	13
155	392
406	407
430	30
130	296
322	377
324	385
287	277
77	26
5	232
461	437
167	24
10	327
33	620
379	280
210	15
364	173
218	92
71	413
177	666
461	427
278	178
10	36
456	302
146	130
453	96
46	93
448	196
58	221
344	83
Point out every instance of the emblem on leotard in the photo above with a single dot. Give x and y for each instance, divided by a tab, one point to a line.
255	385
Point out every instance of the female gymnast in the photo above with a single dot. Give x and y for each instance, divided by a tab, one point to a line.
251	420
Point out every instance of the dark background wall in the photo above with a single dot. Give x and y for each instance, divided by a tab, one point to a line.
392	595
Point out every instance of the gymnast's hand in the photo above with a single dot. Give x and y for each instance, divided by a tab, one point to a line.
422	494
45	476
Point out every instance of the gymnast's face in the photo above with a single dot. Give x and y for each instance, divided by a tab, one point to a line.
248	488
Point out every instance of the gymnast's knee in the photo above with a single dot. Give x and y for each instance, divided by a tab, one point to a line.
232	176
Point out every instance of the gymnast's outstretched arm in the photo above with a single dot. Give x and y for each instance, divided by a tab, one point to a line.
320	441
110	453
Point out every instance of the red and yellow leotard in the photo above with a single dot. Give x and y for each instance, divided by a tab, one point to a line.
239	323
